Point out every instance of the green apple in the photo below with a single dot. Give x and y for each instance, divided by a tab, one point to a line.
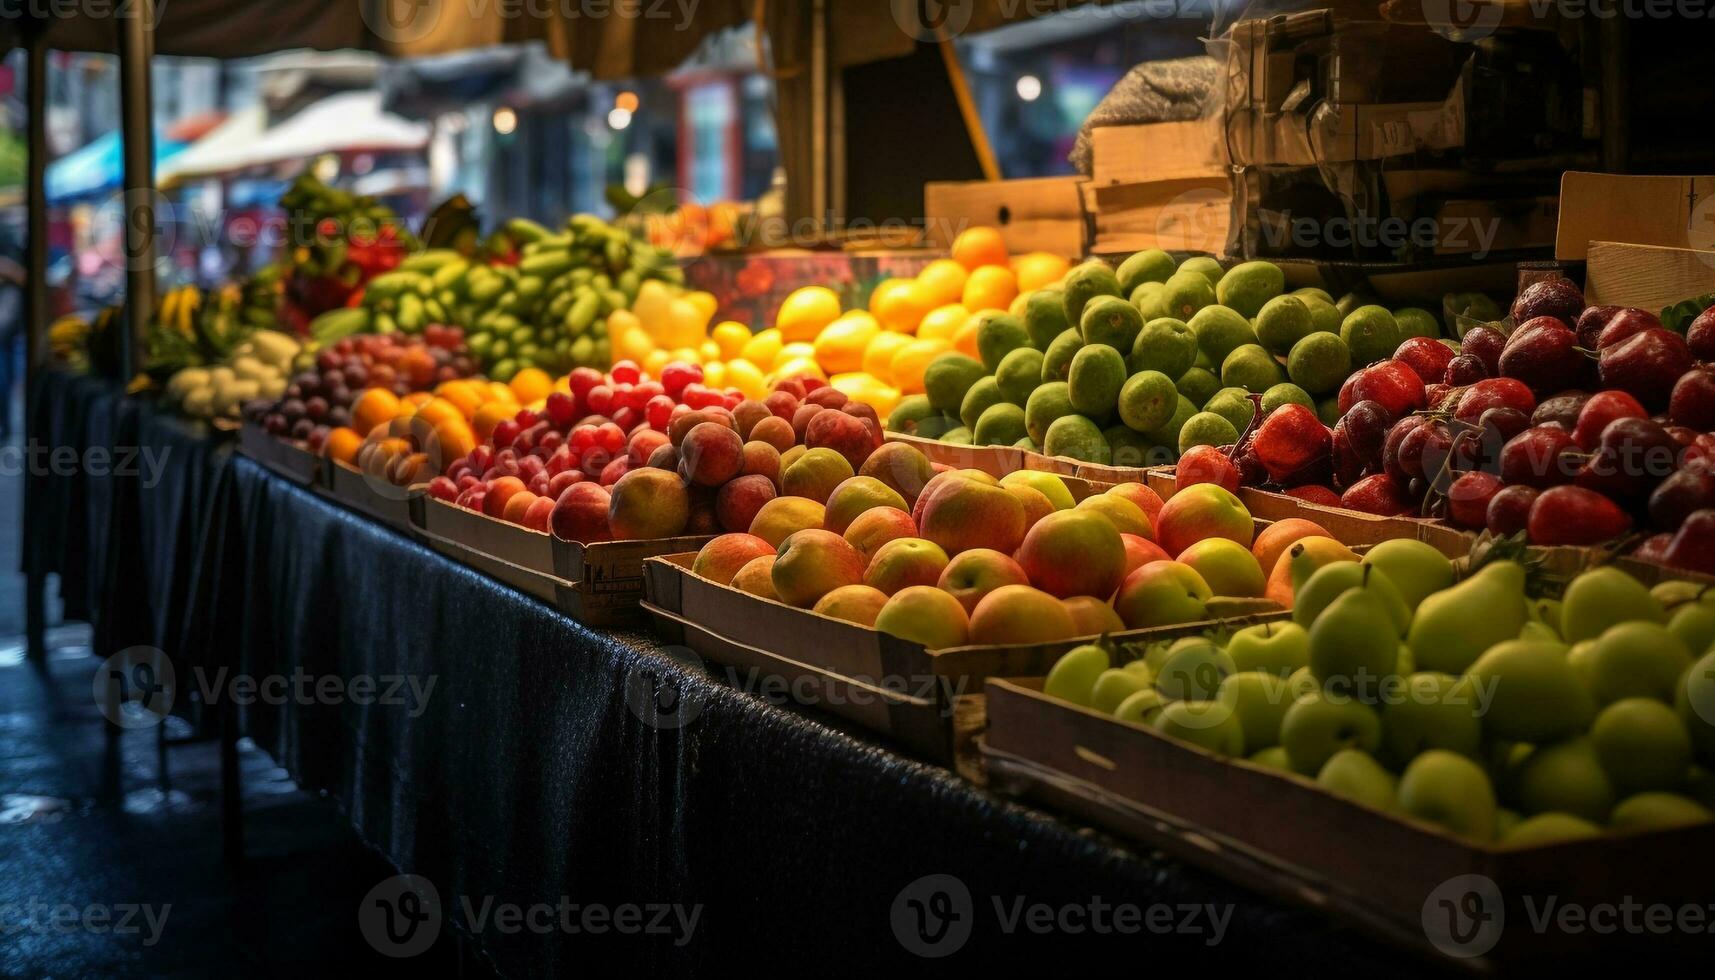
1228	567
1141	708
1302	682
1162	593
1051	486
1353	644
1334	579
1565	776
1073	676
1655	811
1194	671
1354	773
1530	691
1548	828
1453	627
1433	711
1320	723
1113	686
1694	624
1603	597
1636	659
1416	569
1209	724
1642	745
1451	791
1259	700
1273	757
1694	702
1278	646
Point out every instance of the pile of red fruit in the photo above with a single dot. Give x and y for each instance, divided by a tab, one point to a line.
1578	426
623	456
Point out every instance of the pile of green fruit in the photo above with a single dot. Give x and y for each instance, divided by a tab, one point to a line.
548	311
1135	366
1467	704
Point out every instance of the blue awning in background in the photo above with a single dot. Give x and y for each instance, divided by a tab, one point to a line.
98	168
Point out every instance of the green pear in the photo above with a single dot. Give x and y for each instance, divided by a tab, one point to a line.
1694	702
1565	776
1548	828
1332	580
1353	644
1113	686
1505	821
1642	745
1259	700
1527	692
1656	811
1602	597
1073	677
1694	624
1541	632
1278	646
1635	659
1416	569
1141	708
1451	791
1353	773
1194	671
1676	592
1453	627
1434	711
1273	757
1546	611
1319	724
1209	724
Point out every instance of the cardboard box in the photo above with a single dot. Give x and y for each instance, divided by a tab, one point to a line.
881	682
1651	277
599	584
1295	841
1671	212
1321	133
1034	214
388	503
286	457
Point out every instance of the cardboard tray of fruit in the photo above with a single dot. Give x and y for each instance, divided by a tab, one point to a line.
883	683
285	457
1405	881
370	495
598	584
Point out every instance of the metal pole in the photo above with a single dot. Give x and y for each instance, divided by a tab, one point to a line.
35	317
136	51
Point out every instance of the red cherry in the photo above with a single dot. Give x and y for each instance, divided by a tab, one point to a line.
1468	498
678	374
582	379
1427	357
1494	393
1379	494
1576	516
1509	509
659	411
561	408
1206	464
626	372
1312	493
1600	409
599	400
1290	439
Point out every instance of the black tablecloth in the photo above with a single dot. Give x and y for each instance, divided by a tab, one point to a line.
527	776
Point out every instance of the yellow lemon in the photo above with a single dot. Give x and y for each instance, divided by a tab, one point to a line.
860	387
656	360
714	374
990	287
806	311
840	346
705	303
943	322
732	337
687	354
709	350
792	352
794	366
878	356
634	344
912	360
900	304
942	281
498	391
761	348
746	377
1037	269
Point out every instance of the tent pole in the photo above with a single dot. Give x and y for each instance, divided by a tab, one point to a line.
35	319
136	51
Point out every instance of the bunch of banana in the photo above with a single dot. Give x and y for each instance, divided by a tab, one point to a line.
68	339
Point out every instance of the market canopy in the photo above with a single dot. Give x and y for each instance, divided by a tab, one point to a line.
97	168
350	122
204	157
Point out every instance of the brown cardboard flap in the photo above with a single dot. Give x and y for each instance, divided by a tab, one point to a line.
1651	277
1157	152
1034	214
1674	212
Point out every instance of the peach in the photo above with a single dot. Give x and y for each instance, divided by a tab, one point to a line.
827	398
944	475
784	404
737	502
1018	615
790	455
1273	541
856	495
539	515
853	603
517	505
1050	486
801	419
777	433
1074	552
710	455
961	514
746	414
1315	551
905	562
1125	516
1092	616
703	519
1227	566
813	563
1204	510
720	559
900	466
761	459
683	424
1140	552
924	614
757	577
580	513
815	474
1036	506
500	490
972	574
665	458
874	528
644	442
843	433
648	503
1162	593
1147	500
782	516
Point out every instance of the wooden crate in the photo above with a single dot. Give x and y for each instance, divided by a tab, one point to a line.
286	457
372	496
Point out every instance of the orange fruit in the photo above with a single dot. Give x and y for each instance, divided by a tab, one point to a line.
980	246
455	439
1037	269
342	444
991	287
438	410
878	356
374	408
942	322
900	304
912	360
490	415
498	391
839	347
805	312
462	394
417	399
942	281
532	384
965	340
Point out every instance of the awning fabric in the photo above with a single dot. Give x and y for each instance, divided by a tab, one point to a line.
204	157
98	167
350	122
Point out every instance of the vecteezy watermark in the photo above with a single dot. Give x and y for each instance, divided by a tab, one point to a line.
148	212
37	917
402	916
408	21
1194	221
81	9
35	459
135	687
934	916
1465	916
659	694
1466	235
1462	20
